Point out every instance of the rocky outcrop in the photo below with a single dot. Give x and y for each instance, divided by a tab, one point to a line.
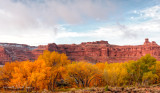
15	52
102	51
99	51
3	56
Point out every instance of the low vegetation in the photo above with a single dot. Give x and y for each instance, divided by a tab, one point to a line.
53	71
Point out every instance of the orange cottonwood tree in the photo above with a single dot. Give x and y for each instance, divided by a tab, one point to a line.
57	62
1	82
39	78
19	75
6	73
30	74
99	80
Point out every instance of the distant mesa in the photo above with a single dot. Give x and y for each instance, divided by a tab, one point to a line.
149	43
98	51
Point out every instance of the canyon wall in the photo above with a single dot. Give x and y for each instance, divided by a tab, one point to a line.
99	51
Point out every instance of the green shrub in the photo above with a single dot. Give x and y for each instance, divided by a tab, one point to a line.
106	88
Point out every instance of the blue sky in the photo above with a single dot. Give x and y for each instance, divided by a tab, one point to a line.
39	22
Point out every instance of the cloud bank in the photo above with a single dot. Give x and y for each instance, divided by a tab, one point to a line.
146	24
36	20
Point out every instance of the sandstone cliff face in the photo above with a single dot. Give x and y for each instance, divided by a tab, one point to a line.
15	52
102	51
99	51
3	56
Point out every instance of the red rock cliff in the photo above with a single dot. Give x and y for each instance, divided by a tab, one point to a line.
102	51
99	51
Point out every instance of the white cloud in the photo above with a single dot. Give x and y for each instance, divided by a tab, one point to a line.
152	12
133	33
34	22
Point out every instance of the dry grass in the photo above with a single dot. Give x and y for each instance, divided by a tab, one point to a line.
153	89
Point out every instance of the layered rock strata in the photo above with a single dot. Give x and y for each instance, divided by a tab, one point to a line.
99	51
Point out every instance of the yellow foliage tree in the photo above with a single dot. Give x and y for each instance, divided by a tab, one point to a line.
54	59
82	74
99	80
158	70
115	74
149	78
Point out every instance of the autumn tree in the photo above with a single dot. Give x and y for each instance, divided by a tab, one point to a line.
26	74
115	74
158	71
54	59
149	78
57	62
1	80
100	79
39	78
158	68
82	74
6	73
19	75
138	70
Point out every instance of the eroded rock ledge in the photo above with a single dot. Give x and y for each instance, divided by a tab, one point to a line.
99	51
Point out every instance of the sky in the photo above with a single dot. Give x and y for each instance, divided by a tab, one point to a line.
39	22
